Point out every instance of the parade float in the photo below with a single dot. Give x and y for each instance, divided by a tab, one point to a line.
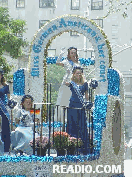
108	112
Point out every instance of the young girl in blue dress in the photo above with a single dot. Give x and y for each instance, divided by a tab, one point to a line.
5	128
23	134
76	119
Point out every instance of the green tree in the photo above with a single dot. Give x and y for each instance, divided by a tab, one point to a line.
10	29
55	76
117	6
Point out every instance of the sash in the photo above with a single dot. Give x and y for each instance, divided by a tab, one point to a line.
78	92
4	110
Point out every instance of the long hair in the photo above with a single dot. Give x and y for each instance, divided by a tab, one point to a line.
68	56
74	78
3	82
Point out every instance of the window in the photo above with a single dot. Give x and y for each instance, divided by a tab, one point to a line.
96	4
46	3
99	22
74	33
3	3
42	22
51	52
20	3
75	4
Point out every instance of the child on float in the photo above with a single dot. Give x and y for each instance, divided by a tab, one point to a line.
76	119
23	134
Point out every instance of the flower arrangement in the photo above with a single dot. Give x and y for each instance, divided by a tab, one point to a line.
74	142
44	144
60	139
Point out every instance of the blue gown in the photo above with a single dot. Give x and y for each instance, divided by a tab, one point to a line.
5	133
23	134
76	120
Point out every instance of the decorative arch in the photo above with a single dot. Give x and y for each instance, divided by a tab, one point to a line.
43	38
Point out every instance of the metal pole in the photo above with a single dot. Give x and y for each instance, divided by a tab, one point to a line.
47	102
34	132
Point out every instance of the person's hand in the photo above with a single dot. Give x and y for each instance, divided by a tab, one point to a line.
11	104
17	121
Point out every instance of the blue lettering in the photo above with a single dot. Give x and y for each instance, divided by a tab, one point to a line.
35	73
75	23
102	80
102	71
102	53
35	69
42	38
102	62
45	34
101	46
62	22
54	27
50	31
70	23
36	63
97	39
93	34
40	42
84	27
79	24
36	48
102	67
89	30
36	57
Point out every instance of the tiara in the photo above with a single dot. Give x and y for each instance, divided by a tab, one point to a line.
72	48
77	67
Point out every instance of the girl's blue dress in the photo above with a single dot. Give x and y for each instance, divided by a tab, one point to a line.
23	134
76	120
5	133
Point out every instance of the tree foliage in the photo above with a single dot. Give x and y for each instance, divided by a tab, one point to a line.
117	6
55	76
10	29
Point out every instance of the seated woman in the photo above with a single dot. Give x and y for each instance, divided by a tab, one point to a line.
76	119
23	134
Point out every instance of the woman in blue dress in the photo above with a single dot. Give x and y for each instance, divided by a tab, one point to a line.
64	92
76	119
5	128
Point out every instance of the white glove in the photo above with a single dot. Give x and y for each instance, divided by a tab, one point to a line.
60	56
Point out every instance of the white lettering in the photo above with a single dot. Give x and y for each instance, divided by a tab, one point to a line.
56	168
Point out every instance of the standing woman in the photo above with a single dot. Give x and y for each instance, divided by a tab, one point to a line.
76	120
69	63
5	133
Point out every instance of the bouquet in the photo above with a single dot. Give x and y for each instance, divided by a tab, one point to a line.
44	144
60	139
74	142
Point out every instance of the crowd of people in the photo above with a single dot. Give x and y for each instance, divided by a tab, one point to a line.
71	94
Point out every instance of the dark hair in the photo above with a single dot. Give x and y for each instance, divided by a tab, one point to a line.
2	79
69	49
77	67
26	97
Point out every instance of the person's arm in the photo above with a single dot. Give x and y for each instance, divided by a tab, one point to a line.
60	64
86	95
8	95
86	92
